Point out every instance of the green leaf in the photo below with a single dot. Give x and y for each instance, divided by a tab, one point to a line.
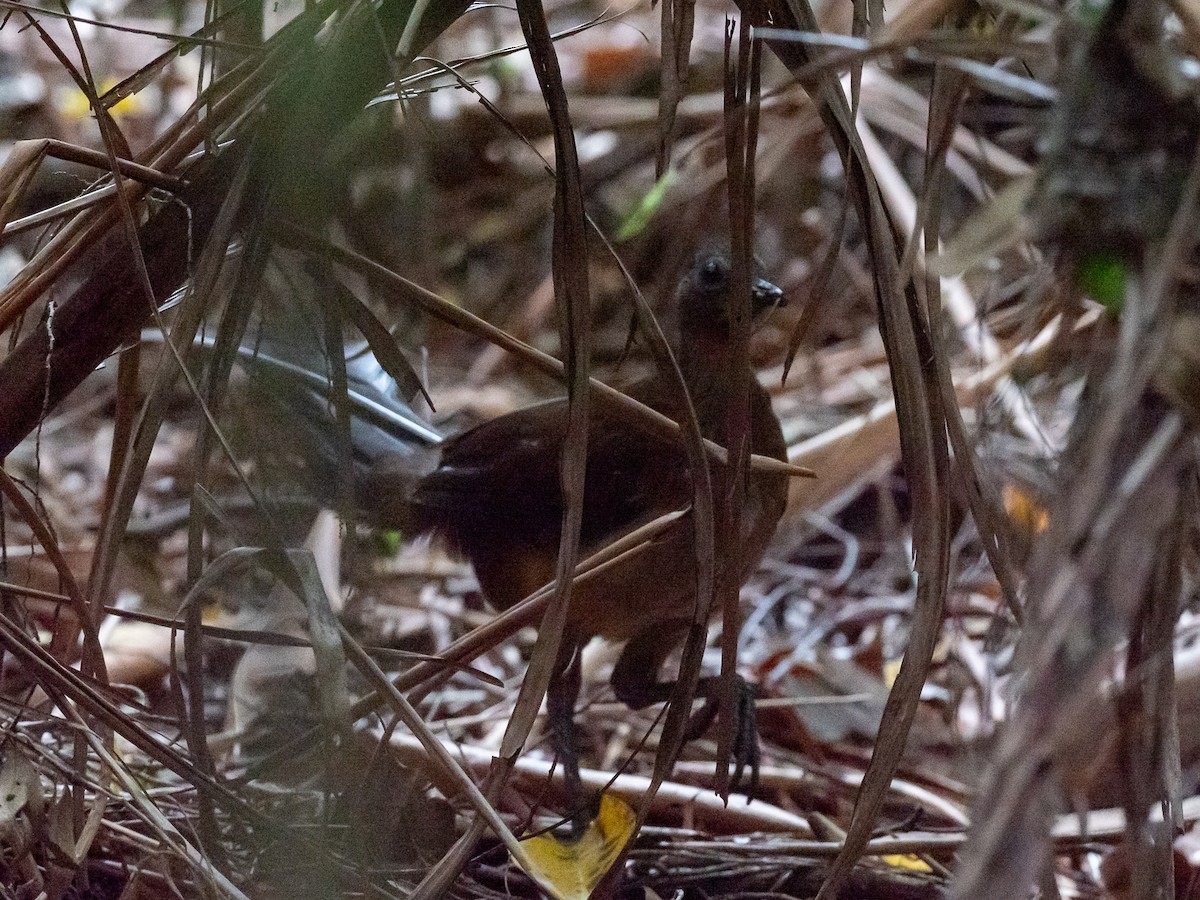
1102	277
637	220
388	542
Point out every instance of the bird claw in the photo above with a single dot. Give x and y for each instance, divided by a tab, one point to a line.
746	750
584	810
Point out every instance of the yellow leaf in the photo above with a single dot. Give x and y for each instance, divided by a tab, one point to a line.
571	869
908	861
1024	509
73	103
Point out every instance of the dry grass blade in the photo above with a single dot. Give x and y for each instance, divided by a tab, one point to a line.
678	22
63	643
380	340
742	98
844	452
298	569
1050	731
572	295
146	75
26	157
956	298
87	231
922	434
982	495
209	397
19	169
211	265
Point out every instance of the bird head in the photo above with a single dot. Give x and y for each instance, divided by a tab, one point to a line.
704	293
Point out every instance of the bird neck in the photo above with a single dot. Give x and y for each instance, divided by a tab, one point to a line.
707	362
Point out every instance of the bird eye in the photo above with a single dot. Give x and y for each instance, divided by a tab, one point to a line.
713	272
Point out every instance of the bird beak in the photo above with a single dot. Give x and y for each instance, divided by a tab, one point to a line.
764	295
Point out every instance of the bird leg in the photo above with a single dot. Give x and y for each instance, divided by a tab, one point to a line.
635	682
560	706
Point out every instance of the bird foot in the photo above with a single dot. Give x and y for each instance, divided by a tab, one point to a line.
746	751
584	810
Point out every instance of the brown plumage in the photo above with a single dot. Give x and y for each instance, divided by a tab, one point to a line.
496	496
496	492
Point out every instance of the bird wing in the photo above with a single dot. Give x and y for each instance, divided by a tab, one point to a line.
502	477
